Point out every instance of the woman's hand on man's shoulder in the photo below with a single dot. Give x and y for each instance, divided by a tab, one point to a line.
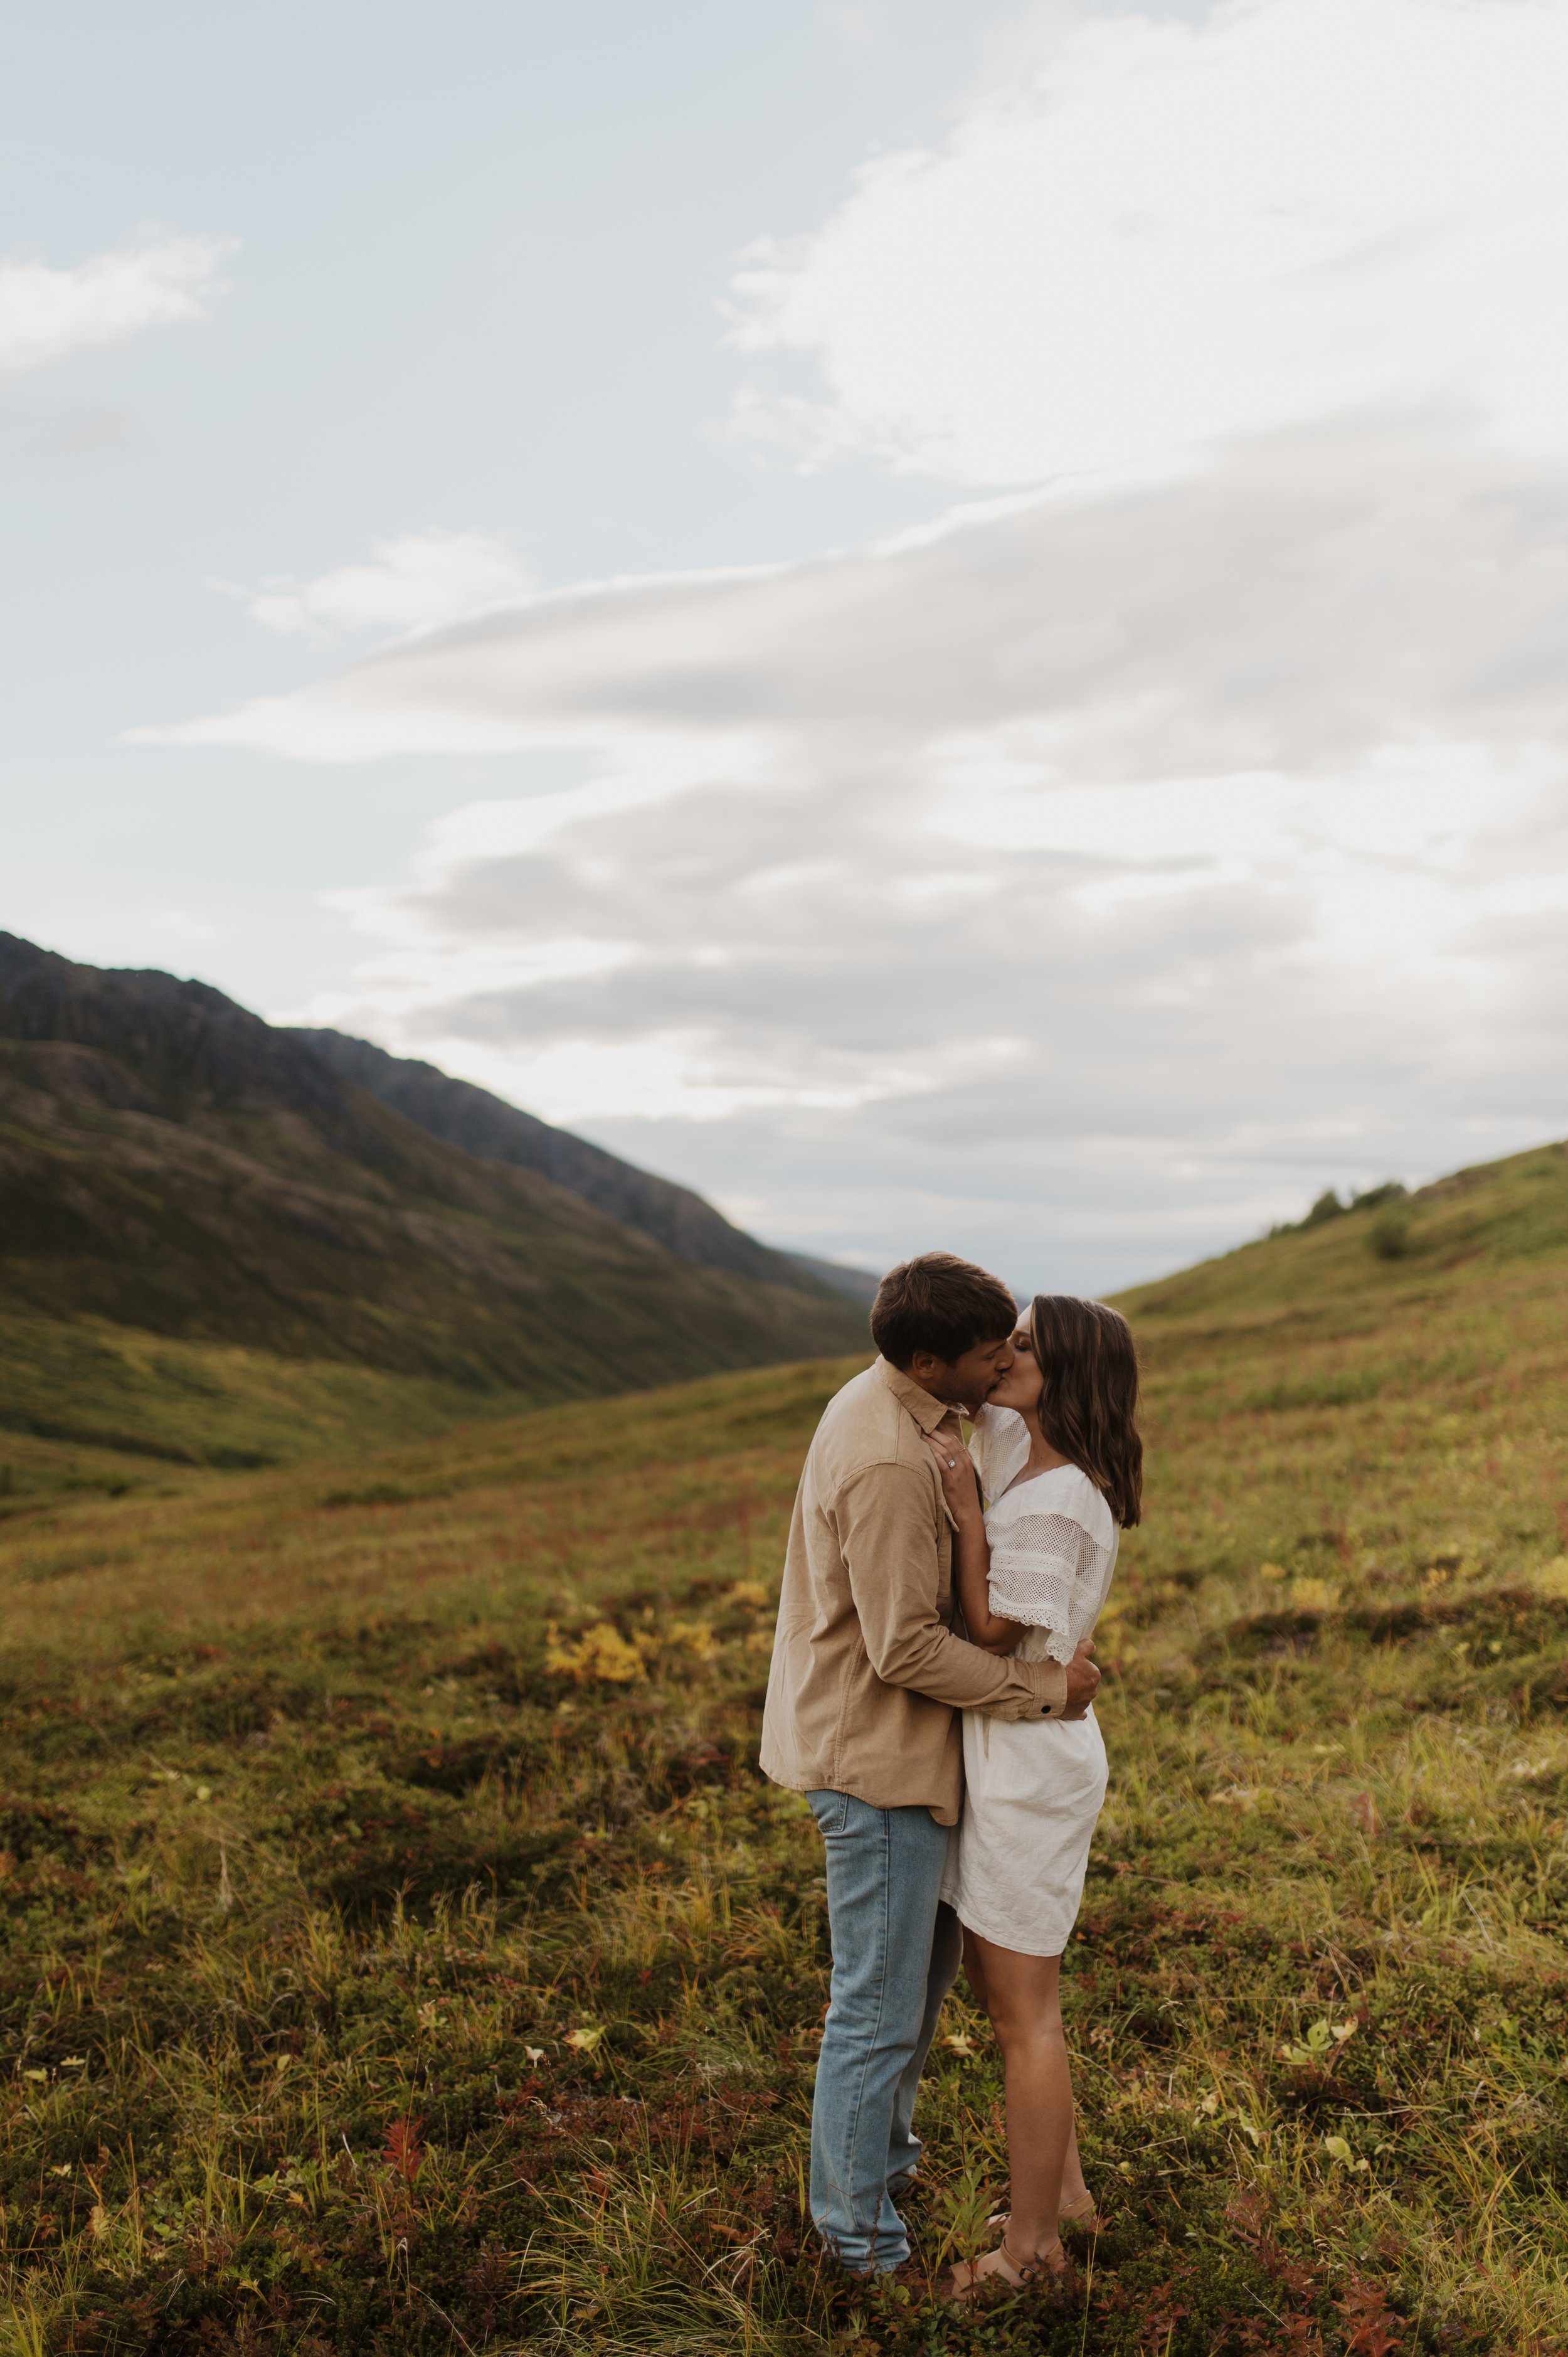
955	1470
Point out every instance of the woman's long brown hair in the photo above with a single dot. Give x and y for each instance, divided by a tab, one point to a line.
1089	1395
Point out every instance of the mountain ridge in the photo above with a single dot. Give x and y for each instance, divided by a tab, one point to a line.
171	1164
487	1126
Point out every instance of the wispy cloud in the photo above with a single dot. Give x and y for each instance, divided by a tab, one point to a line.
417	580
48	314
1304	597
1086	881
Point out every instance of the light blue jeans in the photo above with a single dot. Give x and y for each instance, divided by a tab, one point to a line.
895	1955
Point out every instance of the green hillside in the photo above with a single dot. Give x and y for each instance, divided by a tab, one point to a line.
86	1404
487	1126
1393	1249
313	1265
403	1955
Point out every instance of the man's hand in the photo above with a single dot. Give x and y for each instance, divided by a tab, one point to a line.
1082	1678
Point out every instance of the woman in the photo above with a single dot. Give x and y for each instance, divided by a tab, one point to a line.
1059	1467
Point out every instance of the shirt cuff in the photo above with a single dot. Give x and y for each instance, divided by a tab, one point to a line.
1033	1690
1049	1682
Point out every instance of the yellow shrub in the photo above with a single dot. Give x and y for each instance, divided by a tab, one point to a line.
695	1636
1551	1579
601	1655
1314	1595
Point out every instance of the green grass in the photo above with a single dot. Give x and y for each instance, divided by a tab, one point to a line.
85	1404
403	1952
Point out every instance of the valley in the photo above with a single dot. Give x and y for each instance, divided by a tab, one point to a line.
403	1952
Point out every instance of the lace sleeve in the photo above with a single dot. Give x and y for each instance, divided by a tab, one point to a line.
1047	1572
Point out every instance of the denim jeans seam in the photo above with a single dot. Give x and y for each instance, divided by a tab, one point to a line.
853	2138
858	2080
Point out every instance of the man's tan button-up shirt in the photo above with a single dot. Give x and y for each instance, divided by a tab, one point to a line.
868	1676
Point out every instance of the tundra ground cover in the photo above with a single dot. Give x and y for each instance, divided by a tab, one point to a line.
403	1954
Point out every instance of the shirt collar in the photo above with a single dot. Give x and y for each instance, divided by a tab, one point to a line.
928	1412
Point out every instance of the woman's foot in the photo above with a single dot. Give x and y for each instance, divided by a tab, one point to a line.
1002	2265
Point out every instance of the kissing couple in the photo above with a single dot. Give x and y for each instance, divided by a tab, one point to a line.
953	1764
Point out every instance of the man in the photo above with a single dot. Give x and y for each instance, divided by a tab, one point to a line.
867	1681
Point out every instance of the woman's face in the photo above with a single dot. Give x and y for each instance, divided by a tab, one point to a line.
1020	1388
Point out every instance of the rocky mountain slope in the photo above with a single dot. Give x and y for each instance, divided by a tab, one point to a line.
170	1162
484	1125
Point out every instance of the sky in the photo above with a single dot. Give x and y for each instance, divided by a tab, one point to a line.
946	621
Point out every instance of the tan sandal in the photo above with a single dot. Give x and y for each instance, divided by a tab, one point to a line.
1081	2213
970	2275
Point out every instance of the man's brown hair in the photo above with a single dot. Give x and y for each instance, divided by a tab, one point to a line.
1089	1398
940	1304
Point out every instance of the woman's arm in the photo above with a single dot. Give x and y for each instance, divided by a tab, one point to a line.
971	1549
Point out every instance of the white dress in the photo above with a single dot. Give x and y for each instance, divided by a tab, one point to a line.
1033	1788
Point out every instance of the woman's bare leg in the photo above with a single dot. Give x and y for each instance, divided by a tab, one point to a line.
975	1968
1076	2200
1021	1997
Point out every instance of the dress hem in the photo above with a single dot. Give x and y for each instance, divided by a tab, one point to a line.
980	1930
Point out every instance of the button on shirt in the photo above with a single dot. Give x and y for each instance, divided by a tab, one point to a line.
868	1676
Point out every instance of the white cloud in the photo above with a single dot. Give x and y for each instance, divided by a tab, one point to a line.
1300	601
1085	882
46	314
419	580
1092	874
1148	235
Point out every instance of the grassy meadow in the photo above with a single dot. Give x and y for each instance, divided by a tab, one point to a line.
403	1954
87	1405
